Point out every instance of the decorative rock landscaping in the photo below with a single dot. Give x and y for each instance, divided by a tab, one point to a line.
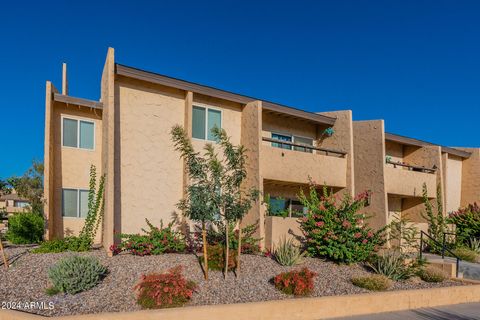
27	280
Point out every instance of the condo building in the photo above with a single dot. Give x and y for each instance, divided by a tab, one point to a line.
126	135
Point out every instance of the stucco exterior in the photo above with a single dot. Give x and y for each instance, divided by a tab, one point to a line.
145	177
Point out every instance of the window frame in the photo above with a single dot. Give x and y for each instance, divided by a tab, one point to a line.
78	190
282	134
206	107
79	119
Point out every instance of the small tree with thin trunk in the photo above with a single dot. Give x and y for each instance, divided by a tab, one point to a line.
215	188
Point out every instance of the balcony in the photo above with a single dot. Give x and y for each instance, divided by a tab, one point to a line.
296	165
407	180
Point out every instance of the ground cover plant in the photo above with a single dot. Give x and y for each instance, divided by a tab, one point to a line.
76	274
466	254
297	282
338	231
375	282
165	290
25	228
432	274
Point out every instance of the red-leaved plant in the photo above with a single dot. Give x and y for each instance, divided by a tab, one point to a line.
297	282
164	290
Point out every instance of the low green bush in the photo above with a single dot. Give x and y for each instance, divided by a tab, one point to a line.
432	274
393	265
287	253
466	254
376	282
25	228
75	244
51	291
76	274
216	258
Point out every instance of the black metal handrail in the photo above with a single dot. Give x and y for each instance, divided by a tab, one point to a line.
306	146
411	167
444	248
444	242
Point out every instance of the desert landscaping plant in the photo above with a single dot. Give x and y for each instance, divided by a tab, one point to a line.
215	190
393	264
287	253
297	282
437	223
76	274
155	240
164	290
466	254
338	231
25	228
474	245
216	258
432	274
467	223
376	282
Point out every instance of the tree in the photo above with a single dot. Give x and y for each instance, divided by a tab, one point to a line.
5	187
30	186
215	188
437	223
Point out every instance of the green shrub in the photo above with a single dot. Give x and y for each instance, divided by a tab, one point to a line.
216	258
25	228
216	235
466	254
287	253
338	231
297	282
75	244
156	240
432	274
474	245
75	274
51	291
393	265
165	290
376	282
467	223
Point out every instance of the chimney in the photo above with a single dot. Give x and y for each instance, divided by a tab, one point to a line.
64	80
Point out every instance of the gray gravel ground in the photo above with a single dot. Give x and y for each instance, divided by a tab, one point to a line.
27	280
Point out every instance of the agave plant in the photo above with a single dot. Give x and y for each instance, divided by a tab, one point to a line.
474	245
287	253
392	265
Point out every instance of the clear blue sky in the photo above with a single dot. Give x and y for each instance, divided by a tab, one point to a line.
415	64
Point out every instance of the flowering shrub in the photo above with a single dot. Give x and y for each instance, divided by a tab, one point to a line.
164	290
297	282
338	231
467	223
154	241
115	249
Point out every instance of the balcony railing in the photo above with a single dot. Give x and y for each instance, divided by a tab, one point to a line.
411	167
328	152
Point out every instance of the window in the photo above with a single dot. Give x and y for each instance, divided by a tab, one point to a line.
286	207
21	204
305	141
203	121
281	137
74	203
78	133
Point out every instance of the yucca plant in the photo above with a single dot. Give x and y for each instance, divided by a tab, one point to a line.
287	253
392	265
474	245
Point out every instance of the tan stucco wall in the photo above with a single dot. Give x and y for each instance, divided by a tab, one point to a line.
369	162
394	150
71	166
151	171
287	125
409	183
453	183
278	228
342	140
471	178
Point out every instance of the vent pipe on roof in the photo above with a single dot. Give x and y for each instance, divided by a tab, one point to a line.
64	79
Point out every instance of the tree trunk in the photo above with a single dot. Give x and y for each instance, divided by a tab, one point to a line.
205	253
226	248
239	246
5	261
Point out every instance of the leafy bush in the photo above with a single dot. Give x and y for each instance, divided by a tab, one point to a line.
432	274
25	228
298	282
165	290
75	274
250	244
467	222
156	240
287	253
75	244
376	282
338	231
393	265
466	254
216	258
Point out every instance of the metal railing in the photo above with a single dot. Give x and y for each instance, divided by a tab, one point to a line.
444	249
327	152
411	167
